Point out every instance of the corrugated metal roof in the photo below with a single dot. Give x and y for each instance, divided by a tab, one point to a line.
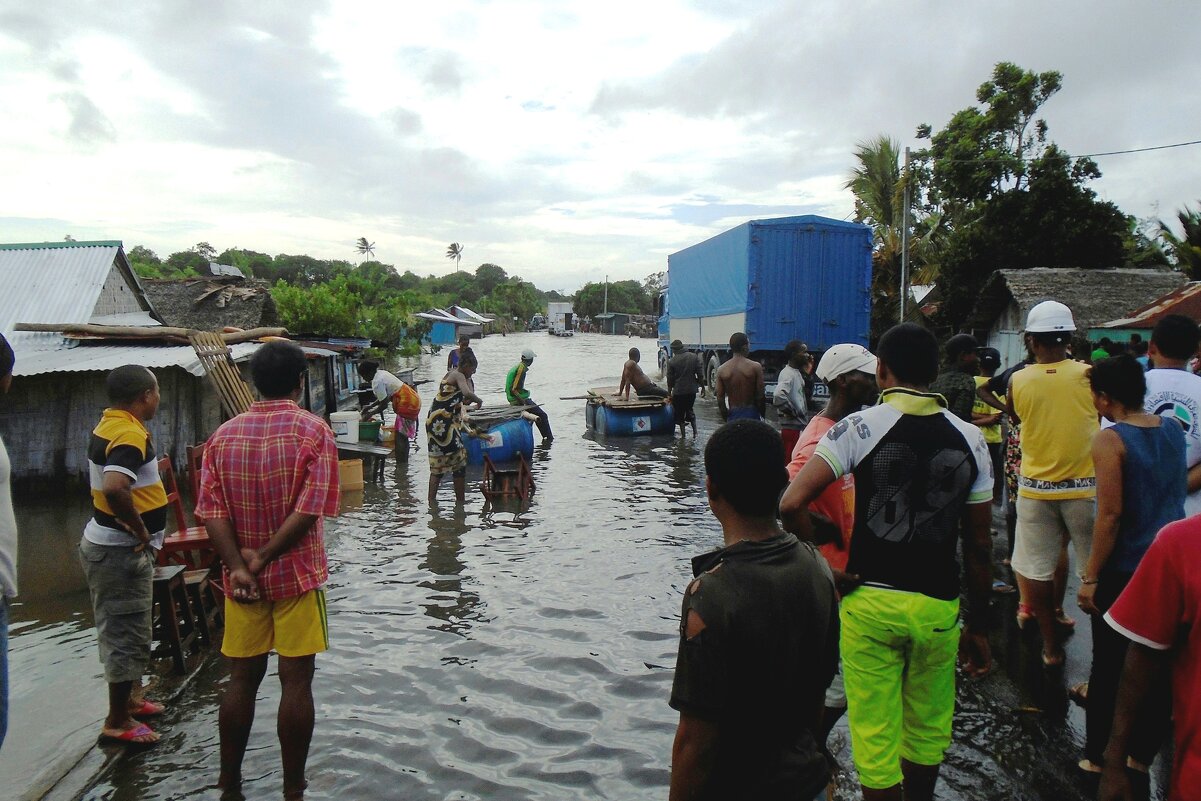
102	358
464	313
1186	300
225	269
51	282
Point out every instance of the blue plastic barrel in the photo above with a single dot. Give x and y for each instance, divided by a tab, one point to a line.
611	422
504	442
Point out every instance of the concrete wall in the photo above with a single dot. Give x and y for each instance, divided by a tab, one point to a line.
117	296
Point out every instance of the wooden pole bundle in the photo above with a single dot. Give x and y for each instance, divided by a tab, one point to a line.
147	332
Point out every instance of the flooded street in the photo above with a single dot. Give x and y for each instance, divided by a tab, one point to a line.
486	654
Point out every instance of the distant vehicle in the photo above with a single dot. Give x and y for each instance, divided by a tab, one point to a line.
806	278
536	323
560	318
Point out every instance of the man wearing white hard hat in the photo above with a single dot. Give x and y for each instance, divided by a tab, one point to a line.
518	395
1057	486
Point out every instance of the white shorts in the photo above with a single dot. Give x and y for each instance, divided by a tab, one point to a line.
1044	527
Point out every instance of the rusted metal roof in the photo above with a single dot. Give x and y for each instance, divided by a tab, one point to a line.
1185	300
56	282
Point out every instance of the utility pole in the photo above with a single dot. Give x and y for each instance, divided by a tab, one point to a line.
606	294
905	239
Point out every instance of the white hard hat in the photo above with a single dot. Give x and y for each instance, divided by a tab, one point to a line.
843	359
527	355
1048	316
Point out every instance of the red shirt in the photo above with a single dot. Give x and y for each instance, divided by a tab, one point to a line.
1161	609
837	501
262	466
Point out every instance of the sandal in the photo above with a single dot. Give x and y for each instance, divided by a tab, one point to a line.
1025	614
1001	587
1079	694
147	709
140	734
1062	619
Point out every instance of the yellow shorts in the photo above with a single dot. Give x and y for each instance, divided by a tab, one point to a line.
291	627
898	663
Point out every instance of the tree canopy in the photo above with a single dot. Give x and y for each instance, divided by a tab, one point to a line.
989	192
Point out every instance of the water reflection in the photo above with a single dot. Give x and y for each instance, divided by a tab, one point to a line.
451	604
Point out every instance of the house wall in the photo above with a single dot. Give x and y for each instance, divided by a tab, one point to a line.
1006	335
46	421
116	297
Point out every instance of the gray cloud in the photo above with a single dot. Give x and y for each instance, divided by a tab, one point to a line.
444	73
89	125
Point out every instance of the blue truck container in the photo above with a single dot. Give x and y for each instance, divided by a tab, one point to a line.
806	278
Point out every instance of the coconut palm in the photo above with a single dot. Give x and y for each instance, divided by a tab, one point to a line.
1186	250
364	247
455	251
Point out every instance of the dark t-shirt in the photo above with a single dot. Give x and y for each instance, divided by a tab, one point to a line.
959	389
761	665
999	383
684	374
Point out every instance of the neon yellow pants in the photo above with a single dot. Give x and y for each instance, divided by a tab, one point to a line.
898	662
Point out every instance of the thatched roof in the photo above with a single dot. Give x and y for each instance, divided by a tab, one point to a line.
1094	296
210	304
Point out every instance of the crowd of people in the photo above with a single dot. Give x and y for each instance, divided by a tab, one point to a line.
839	586
888	483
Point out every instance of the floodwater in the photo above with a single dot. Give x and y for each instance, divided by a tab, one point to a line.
500	654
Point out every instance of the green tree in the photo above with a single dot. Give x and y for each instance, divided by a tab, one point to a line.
325	310
1008	197
145	262
489	276
204	249
628	297
185	264
1185	250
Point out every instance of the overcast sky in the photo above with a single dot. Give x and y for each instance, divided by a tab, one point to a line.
562	140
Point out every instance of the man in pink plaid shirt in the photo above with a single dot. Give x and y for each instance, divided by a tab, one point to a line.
269	476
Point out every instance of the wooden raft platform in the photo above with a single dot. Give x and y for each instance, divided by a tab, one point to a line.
605	397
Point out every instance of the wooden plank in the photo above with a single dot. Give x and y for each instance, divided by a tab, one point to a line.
606	397
214	356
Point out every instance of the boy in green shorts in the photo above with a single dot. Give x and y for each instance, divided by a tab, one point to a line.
919	471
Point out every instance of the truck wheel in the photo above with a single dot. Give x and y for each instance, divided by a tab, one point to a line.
711	373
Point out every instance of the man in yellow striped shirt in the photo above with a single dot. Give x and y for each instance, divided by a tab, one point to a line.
119	546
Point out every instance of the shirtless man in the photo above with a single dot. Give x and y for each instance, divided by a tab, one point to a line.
632	377
740	384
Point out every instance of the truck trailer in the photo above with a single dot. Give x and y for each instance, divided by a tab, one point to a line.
806	278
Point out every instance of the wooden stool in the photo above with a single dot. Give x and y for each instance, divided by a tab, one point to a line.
517	482
204	608
174	626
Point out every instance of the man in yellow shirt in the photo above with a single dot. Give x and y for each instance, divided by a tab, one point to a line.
1057	485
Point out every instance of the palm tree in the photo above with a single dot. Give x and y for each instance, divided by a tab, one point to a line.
364	247
878	183
1186	250
455	251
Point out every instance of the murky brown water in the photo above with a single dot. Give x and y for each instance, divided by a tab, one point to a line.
498	655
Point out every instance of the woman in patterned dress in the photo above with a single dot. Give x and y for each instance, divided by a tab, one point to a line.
443	426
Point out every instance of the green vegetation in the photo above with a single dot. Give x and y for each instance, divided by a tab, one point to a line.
990	192
371	299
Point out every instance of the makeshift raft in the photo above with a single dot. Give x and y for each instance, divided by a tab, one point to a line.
611	416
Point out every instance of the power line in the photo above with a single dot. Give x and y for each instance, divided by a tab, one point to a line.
1088	155
1141	149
